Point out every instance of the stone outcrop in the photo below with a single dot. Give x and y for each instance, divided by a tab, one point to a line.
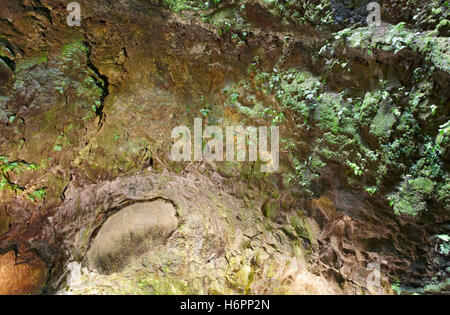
129	232
88	191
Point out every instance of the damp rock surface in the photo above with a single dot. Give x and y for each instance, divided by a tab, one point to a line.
86	116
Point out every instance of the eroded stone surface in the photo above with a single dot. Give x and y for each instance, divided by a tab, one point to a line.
4	222
25	274
129	232
93	108
224	245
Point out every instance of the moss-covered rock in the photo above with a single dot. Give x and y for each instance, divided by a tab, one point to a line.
303	229
362	113
412	195
271	209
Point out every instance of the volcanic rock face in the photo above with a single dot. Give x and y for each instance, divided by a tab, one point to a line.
221	245
88	191
130	232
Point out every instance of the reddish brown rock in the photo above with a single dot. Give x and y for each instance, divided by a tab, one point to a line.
23	275
4	222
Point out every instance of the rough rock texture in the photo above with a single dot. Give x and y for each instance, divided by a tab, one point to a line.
222	246
131	231
4	222
21	274
86	115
